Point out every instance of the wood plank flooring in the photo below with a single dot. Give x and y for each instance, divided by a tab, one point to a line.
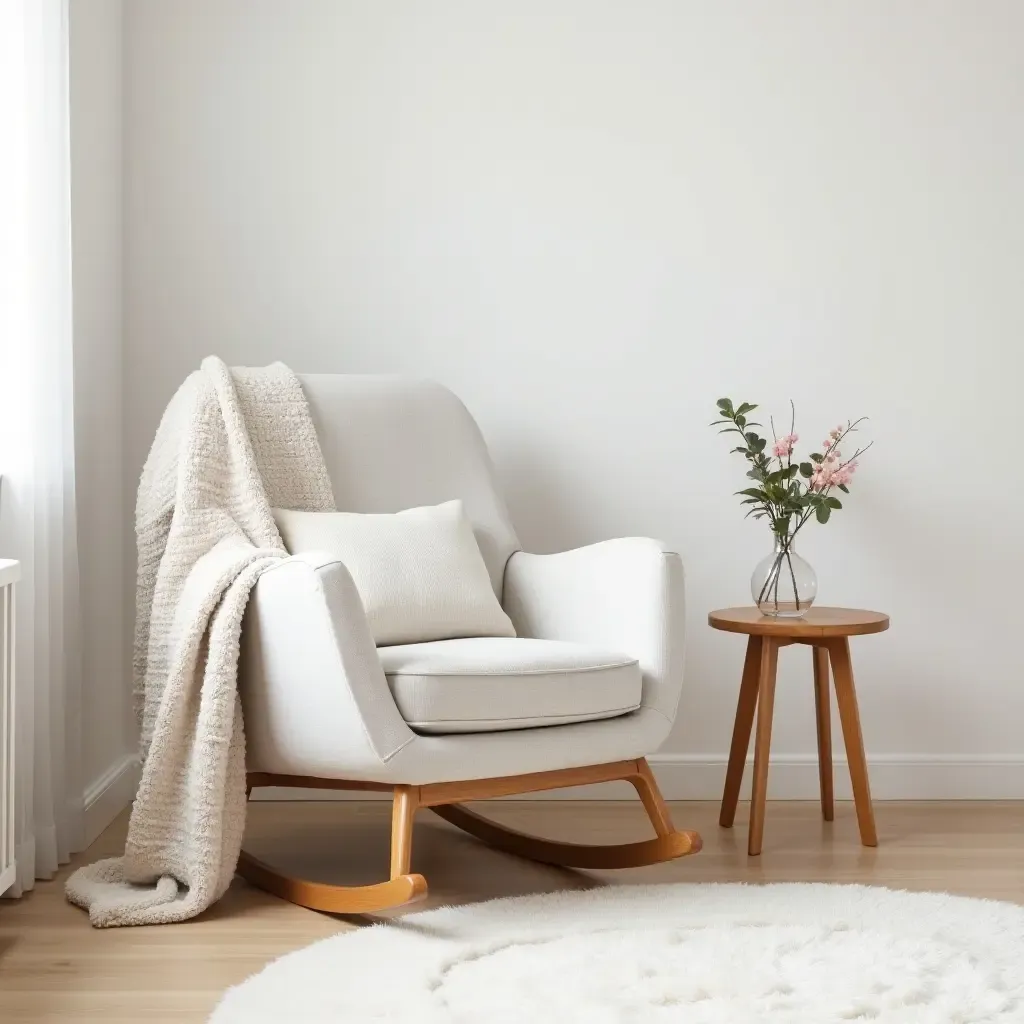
54	967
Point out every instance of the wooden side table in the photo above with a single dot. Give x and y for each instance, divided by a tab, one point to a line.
827	632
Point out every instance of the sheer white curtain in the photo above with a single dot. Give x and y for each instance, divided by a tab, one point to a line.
37	495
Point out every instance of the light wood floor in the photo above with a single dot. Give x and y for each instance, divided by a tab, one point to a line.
54	967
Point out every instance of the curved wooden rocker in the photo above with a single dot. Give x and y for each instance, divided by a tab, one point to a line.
444	799
571	855
333	899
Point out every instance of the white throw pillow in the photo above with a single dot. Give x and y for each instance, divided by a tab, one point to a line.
419	573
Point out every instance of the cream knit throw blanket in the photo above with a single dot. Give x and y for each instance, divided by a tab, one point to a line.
231	445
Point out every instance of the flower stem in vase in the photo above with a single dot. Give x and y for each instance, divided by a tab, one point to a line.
792	576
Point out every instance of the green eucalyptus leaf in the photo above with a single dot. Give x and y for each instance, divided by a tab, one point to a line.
806	470
844	488
725	405
833	503
822	513
746	407
817	457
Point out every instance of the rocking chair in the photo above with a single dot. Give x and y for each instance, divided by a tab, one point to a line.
588	688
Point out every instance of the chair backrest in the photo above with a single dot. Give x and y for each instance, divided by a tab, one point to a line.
392	443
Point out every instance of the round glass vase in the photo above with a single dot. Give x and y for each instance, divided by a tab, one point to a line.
783	584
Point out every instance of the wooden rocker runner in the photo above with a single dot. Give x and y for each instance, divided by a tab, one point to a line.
586	686
443	799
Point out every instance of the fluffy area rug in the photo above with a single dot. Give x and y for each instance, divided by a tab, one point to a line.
703	954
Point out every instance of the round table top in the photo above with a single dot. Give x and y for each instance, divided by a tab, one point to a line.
817	622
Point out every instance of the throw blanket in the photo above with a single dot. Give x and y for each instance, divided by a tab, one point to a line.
231	445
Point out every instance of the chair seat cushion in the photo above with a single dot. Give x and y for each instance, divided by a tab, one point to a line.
492	684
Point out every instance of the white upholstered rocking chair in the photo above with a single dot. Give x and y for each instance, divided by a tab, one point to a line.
589	688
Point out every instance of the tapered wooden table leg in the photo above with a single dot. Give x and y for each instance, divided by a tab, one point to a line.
745	707
823	714
849	716
762	741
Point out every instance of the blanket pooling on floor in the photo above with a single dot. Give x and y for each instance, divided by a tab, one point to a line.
232	444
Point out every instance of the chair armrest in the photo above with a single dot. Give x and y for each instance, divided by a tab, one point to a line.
314	697
623	595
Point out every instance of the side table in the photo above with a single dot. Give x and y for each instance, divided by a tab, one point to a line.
827	632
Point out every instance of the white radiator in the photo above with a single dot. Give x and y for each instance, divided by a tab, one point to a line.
10	572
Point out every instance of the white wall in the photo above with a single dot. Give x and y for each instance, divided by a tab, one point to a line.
107	742
592	219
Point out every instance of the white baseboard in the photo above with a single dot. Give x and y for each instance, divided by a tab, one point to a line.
792	777
893	777
108	795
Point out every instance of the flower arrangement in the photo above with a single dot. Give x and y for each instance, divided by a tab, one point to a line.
787	492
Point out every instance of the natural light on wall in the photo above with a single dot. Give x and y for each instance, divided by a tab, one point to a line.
37	514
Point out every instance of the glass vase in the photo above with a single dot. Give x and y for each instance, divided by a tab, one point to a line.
783	584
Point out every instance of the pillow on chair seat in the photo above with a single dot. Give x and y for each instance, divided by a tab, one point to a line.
492	684
419	573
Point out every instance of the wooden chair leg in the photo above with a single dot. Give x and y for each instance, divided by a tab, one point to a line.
403	810
823	715
401	889
763	742
849	716
745	707
646	787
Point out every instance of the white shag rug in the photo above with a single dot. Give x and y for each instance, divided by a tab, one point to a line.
700	954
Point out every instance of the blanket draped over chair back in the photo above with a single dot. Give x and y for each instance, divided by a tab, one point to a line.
232	444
